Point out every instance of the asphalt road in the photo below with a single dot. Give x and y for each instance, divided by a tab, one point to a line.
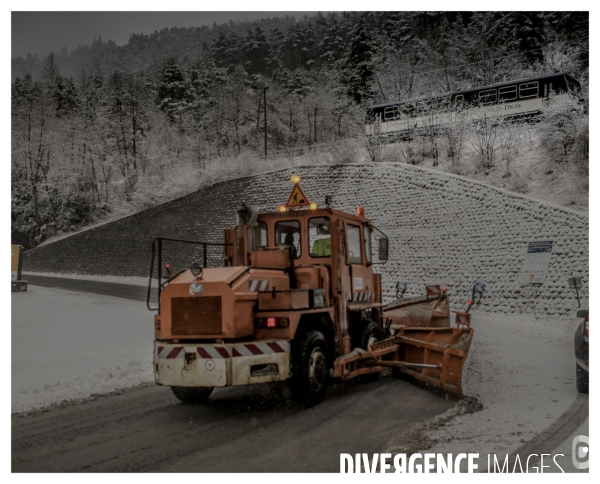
246	429
258	428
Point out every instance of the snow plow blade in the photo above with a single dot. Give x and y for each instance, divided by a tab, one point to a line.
425	311
434	356
441	351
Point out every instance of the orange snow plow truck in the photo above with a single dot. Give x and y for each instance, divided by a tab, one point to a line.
295	298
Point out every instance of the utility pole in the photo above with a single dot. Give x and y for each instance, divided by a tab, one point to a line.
265	105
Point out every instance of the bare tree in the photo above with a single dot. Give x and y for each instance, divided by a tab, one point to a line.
375	147
510	143
485	134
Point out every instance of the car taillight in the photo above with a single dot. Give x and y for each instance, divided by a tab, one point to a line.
272	322
587	326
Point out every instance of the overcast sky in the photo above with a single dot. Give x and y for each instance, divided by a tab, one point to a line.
43	32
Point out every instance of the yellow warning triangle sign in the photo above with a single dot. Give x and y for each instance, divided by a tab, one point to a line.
297	198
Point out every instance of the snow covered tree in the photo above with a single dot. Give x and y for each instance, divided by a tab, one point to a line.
358	68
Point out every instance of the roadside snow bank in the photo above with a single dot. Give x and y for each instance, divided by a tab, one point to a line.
522	370
67	346
129	280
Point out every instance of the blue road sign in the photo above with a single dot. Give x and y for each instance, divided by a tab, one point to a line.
401	285
479	287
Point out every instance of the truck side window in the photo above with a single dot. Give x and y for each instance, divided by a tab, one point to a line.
354	244
367	233
260	236
319	237
287	234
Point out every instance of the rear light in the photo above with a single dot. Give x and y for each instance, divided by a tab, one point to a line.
272	322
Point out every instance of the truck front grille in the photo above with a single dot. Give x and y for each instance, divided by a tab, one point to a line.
196	315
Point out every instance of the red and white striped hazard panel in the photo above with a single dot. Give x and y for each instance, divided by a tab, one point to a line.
258	286
230	351
166	352
464	319
362	296
433	289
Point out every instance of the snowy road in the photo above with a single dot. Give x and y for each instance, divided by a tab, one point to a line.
251	429
69	346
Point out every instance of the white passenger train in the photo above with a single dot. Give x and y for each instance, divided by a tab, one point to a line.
519	98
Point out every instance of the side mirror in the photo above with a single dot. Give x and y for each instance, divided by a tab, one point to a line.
582	313
383	249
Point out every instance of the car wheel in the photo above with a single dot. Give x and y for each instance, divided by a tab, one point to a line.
370	335
582	378
191	395
310	368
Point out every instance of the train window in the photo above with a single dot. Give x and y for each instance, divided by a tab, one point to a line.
391	112
440	104
529	89
545	90
507	93
371	116
488	97
408	109
422	106
459	100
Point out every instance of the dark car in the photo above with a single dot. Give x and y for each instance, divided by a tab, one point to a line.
582	355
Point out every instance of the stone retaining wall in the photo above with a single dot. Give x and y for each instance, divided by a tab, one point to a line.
443	229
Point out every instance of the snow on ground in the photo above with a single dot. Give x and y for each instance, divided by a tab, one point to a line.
130	280
69	346
522	370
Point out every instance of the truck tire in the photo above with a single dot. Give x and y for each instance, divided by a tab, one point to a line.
191	395
370	334
582	378
310	368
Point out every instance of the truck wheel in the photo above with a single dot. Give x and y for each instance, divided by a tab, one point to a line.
310	368
582	379
370	335
192	395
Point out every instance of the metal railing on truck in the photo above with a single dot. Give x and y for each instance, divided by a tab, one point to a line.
157	253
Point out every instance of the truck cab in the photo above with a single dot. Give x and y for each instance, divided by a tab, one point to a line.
296	290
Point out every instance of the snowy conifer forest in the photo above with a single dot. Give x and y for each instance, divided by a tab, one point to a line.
105	130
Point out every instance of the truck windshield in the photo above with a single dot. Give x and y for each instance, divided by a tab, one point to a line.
354	244
367	232
287	233
319	237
